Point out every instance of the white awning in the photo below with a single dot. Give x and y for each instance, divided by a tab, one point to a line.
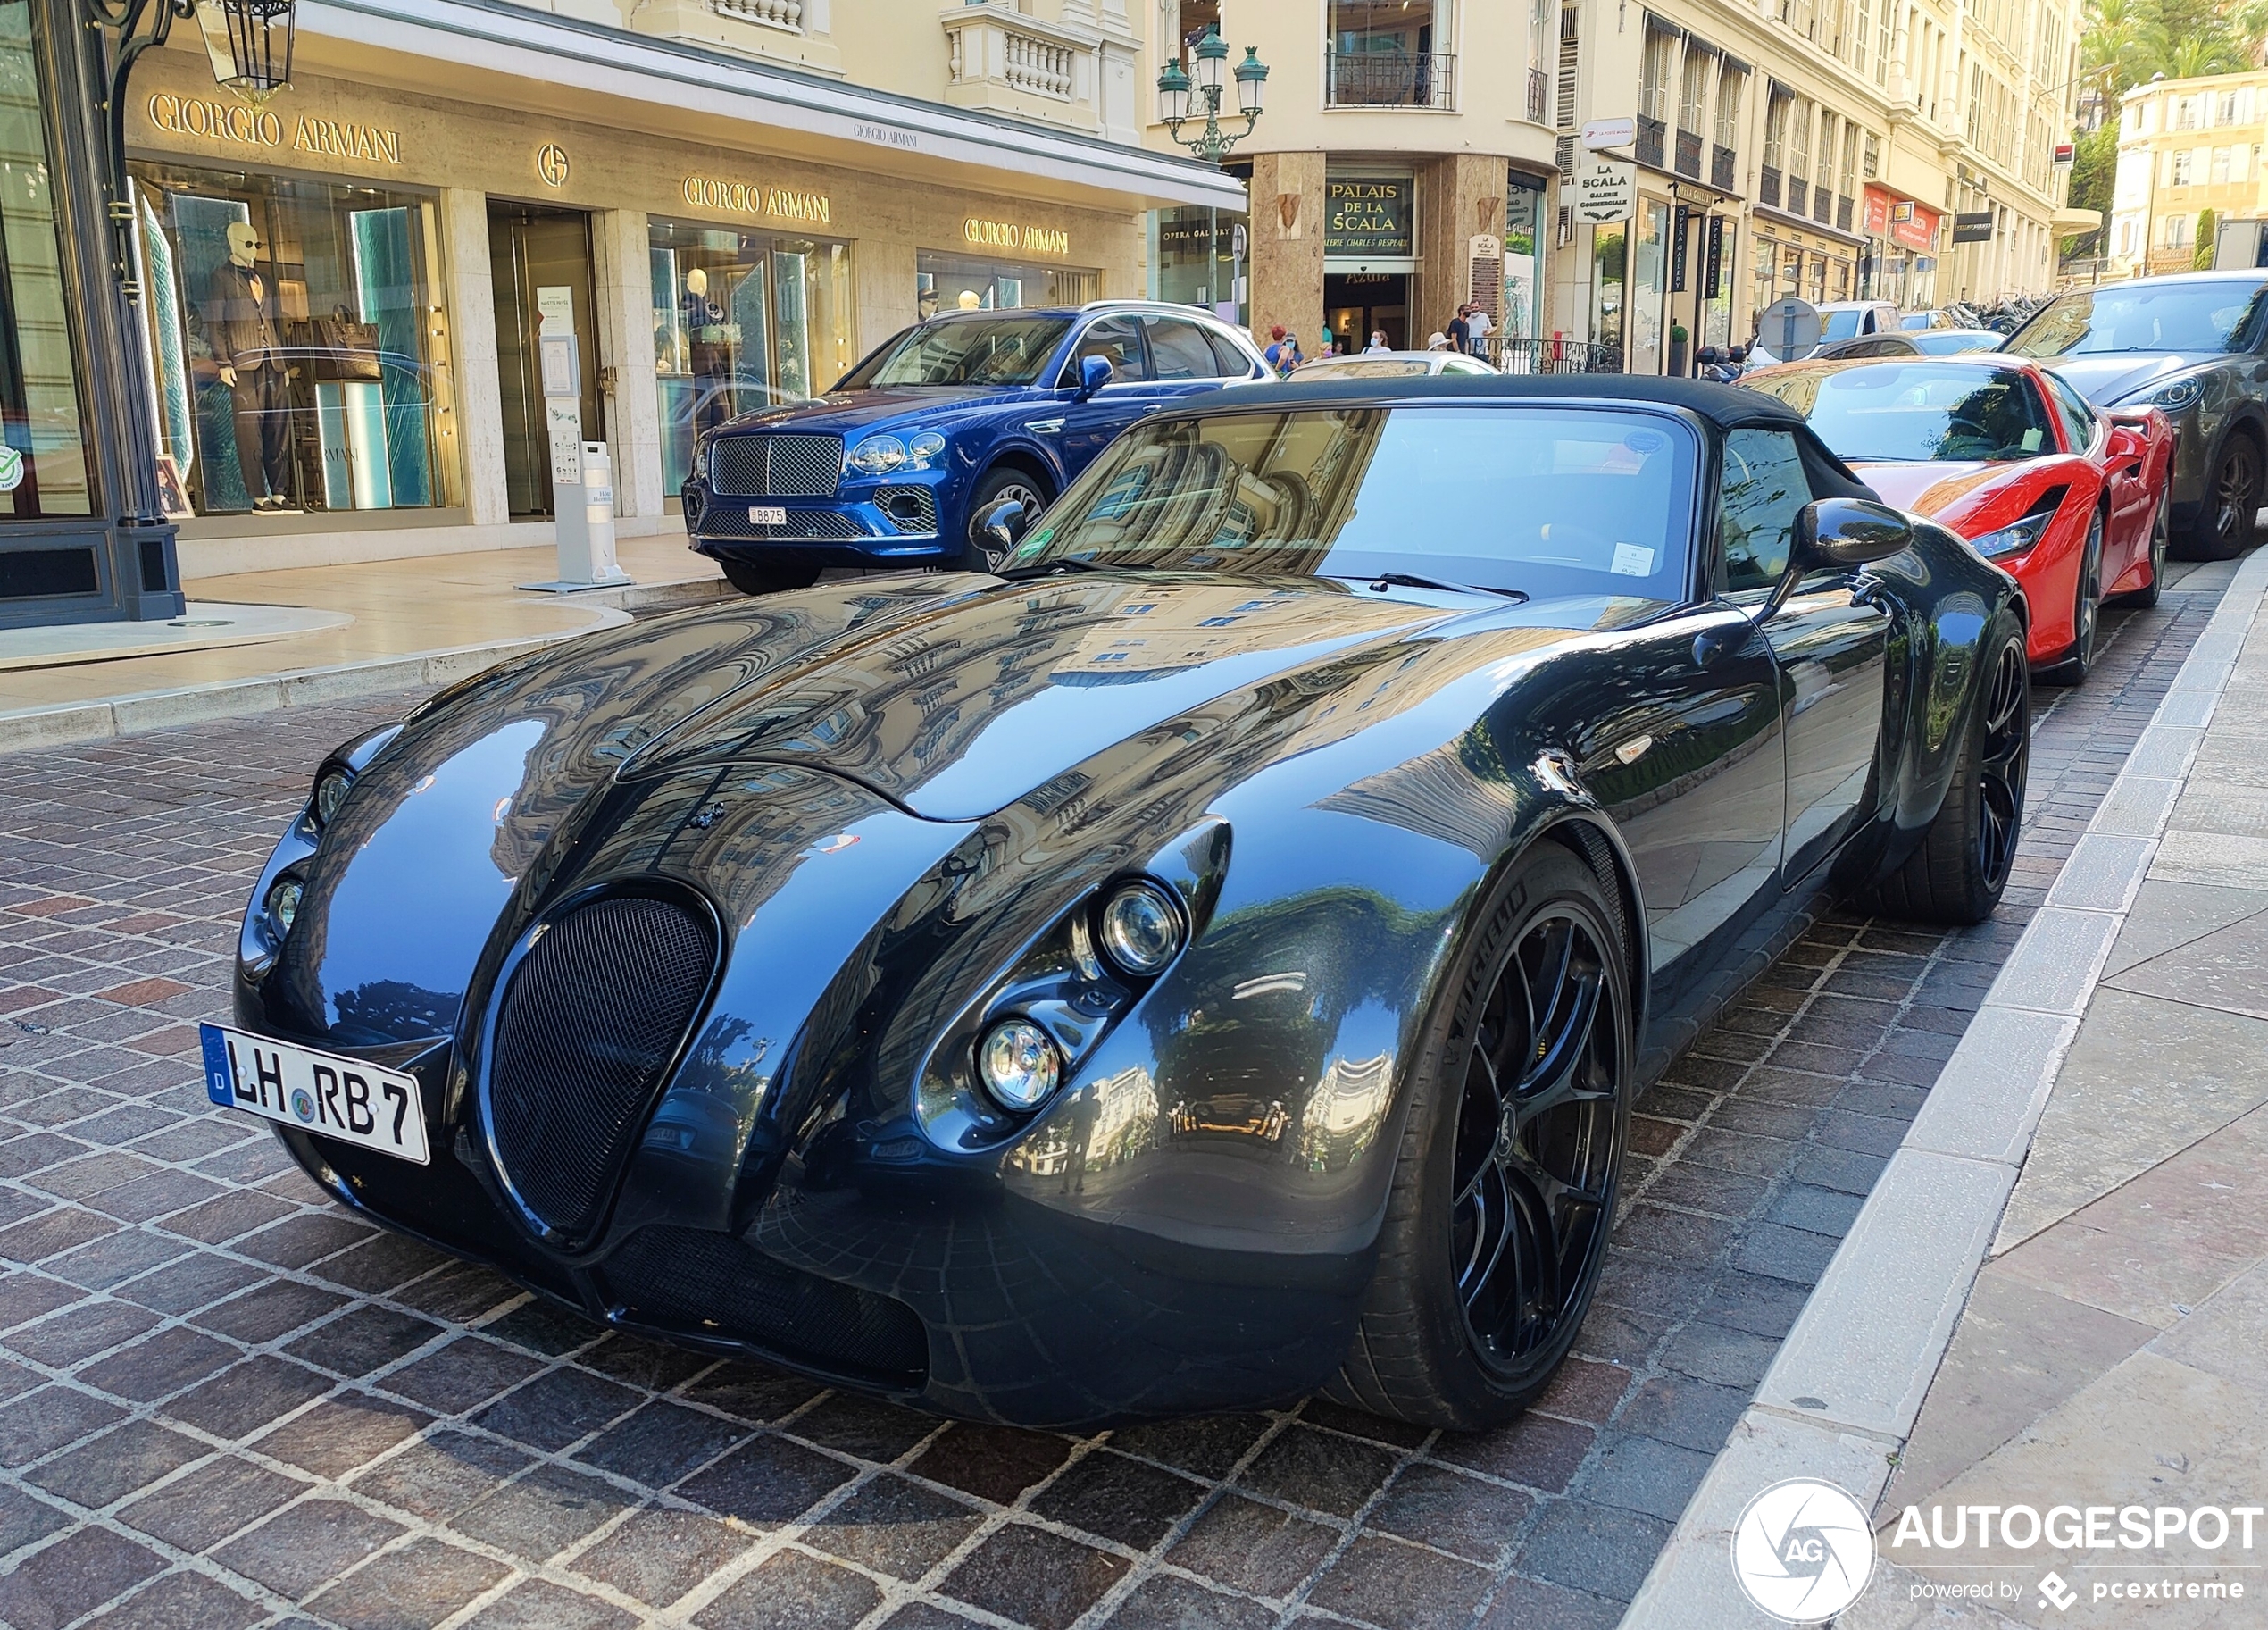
600	75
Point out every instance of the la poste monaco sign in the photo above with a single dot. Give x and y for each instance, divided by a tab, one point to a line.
1606	193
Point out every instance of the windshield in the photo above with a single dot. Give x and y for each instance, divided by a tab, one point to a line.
1839	325
2143	316
1010	348
1365	368
1953	342
1545	501
1907	413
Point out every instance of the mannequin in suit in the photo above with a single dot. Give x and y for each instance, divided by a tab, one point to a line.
245	331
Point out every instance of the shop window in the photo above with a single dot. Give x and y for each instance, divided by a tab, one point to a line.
1192	258
1609	277
296	333
43	469
742	321
949	282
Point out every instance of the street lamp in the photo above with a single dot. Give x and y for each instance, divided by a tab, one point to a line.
258	64
1174	87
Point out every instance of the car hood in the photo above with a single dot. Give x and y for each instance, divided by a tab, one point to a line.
854	412
2106	380
1936	489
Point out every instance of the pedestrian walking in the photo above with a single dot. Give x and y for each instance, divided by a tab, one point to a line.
1439	342
1377	344
1459	334
1477	324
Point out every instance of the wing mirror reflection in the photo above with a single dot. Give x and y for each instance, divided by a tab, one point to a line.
1006	524
1094	373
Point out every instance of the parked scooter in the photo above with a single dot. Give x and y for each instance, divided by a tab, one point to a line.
1724	367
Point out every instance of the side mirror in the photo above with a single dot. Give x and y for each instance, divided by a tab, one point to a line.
1844	534
1006	523
1094	373
2127	444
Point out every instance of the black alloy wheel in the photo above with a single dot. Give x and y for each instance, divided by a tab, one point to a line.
1511	1157
2087	606
984	553
1538	1150
2231	503
2161	541
2003	759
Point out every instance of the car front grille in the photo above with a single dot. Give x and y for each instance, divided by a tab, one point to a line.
775	466
911	510
591	1020
682	1281
724	519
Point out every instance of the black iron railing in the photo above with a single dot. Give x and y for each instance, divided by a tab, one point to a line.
1538	96
1842	214
1688	154
1798	196
1767	185
1553	357
1389	79
1723	169
1651	138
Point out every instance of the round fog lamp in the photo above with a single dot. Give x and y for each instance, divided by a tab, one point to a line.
283	903
1019	1064
1141	931
331	792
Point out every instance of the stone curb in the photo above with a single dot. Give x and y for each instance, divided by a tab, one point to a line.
1843	1393
148	710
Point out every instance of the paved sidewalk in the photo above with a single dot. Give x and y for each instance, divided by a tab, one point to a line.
2095	1156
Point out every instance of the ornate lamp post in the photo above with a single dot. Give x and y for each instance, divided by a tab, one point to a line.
1174	87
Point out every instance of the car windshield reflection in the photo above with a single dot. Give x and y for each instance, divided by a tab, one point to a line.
2146	316
1545	501
1906	413
992	349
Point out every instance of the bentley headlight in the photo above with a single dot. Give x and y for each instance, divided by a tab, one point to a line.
877	456
283	903
697	468
2014	539
1019	1065
924	450
2178	395
1141	930
331	792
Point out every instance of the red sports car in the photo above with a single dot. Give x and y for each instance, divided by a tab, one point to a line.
2070	499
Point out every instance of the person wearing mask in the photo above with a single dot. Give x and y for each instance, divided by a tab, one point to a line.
1378	346
1459	334
1478	323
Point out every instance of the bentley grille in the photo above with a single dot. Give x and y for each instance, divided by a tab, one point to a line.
591	1020
712	1285
776	466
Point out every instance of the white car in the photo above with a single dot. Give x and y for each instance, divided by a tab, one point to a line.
1391	365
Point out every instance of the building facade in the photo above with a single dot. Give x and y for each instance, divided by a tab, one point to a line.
1825	148
2185	147
727	203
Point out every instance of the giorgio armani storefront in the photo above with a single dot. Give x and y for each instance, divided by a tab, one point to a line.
345	289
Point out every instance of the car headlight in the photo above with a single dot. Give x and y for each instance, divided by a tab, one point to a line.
2014	539
2177	395
330	791
1019	1065
1141	931
924	450
877	456
283	903
697	468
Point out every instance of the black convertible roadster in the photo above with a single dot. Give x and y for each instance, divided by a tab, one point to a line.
1209	960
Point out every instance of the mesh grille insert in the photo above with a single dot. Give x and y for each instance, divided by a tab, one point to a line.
775	466
716	1286
588	1023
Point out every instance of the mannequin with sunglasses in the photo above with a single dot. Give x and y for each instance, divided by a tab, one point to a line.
245	328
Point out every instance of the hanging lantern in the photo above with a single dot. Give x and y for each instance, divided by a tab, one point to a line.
259	38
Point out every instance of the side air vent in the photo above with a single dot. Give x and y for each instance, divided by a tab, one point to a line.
596	1009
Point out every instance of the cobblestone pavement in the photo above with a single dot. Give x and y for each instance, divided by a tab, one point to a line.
223	1403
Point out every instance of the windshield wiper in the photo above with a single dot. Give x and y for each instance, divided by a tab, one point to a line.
1410	579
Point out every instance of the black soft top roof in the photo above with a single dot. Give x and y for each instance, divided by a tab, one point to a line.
1723	407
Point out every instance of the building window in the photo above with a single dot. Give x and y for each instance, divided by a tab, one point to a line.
1193	259
2183	164
2220	172
297	333
1653	74
1693	91
39	405
2177	232
1861	35
1386	53
742	321
1872	161
1777	112
1609	277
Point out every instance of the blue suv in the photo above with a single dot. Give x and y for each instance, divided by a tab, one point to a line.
899	463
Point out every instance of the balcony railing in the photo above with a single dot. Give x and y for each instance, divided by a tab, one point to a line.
1822	205
1002	60
1842	214
1723	170
1389	79
1652	133
773	13
1538	96
1688	154
1553	357
1767	185
1798	196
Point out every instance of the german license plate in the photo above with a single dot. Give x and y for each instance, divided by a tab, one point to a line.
767	514
347	1099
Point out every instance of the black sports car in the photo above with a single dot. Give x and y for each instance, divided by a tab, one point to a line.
1210	960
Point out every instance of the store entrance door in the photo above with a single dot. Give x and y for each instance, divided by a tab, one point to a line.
1355	303
540	260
